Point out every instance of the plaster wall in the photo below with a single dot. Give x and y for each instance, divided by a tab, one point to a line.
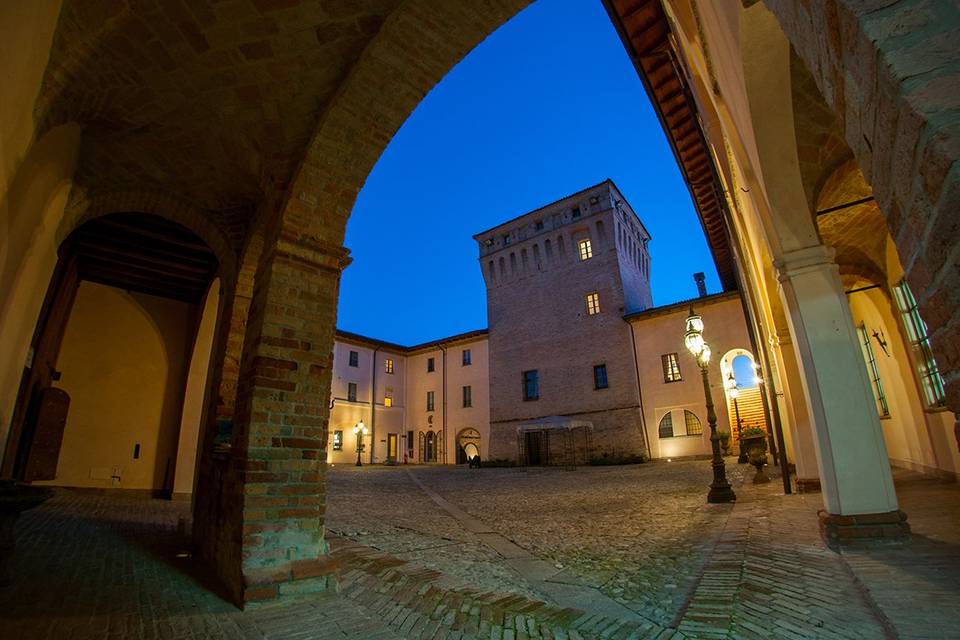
124	363
660	332
916	438
477	376
193	414
419	382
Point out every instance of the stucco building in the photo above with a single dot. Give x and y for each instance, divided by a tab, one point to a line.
574	344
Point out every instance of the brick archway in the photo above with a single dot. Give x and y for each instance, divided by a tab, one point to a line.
893	100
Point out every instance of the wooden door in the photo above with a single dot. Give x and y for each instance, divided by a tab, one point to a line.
40	372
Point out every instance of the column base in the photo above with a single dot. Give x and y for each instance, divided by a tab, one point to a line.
865	529
808	485
295	579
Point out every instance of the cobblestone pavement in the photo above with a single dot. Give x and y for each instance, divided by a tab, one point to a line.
433	553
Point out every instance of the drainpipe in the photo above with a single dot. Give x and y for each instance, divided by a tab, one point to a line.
443	361
643	417
373	405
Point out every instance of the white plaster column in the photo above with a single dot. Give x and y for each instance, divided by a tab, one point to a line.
851	454
801	431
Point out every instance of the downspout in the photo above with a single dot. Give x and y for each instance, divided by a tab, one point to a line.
443	362
373	404
643	417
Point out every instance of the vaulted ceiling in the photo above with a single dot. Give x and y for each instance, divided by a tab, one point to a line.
212	100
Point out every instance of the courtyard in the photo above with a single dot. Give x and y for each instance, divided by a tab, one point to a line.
444	552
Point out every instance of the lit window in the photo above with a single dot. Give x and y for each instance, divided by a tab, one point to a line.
671	368
467	396
388	365
354	358
466	358
930	378
352	391
873	372
593	303
586	249
531	385
600	376
387	401
694	427
431	365
666	426
429	400
338	440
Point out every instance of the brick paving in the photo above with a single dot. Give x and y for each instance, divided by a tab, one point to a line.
92	566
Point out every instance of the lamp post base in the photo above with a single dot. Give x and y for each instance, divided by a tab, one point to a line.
720	493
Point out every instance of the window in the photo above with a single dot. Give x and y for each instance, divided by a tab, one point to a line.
600	376
410	443
593	303
338	440
354	358
575	213
431	365
388	365
539	225
694	428
929	373
531	385
352	391
586	249
465	357
429	400
666	426
387	401
873	372
506	238
671	368
467	396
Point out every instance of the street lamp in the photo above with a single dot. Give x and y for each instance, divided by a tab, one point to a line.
360	430
720	490
734	392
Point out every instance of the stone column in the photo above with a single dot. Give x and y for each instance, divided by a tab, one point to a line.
855	476
279	449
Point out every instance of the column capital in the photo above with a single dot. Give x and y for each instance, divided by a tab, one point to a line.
312	252
793	263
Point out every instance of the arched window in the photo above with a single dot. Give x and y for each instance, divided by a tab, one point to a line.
548	249
666	425
694	428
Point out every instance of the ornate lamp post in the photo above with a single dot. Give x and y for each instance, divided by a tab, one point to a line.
734	391
360	430
720	490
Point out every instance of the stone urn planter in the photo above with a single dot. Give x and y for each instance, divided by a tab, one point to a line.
754	442
724	442
14	499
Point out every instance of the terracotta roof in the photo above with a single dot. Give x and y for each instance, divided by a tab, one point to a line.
645	30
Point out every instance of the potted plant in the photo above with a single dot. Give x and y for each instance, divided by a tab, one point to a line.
754	443
724	441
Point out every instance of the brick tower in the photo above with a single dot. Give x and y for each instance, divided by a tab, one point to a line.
559	281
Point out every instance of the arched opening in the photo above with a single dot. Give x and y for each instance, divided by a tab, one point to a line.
468	445
116	394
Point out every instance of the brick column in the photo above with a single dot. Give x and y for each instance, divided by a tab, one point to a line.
857	485
280	426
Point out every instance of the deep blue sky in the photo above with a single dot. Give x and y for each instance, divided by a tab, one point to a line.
547	105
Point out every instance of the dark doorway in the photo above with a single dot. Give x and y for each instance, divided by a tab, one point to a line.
535	450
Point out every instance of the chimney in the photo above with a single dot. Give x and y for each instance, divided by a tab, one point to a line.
701	283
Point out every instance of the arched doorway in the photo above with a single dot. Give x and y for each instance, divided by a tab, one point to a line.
744	393
116	393
468	445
